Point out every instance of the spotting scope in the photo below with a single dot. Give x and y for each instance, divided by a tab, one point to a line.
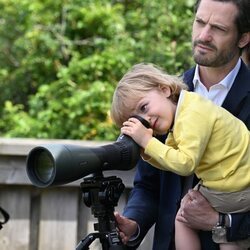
58	164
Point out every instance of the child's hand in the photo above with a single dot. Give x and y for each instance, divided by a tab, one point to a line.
135	129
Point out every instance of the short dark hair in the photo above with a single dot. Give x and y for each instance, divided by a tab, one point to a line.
242	20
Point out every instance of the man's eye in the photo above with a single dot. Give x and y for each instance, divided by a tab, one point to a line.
200	23
217	28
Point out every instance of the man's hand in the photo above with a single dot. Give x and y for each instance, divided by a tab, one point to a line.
127	227
196	212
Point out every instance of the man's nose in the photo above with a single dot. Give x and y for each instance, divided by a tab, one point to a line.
205	34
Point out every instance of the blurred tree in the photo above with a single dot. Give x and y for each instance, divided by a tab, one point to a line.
61	60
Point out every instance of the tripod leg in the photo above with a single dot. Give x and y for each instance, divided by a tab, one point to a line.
85	243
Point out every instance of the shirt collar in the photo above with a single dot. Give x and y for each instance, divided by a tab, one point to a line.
227	82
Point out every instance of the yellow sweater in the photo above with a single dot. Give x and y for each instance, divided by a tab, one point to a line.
206	140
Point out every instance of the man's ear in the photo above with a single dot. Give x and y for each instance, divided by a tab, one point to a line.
244	40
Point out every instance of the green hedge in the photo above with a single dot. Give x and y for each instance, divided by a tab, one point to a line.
61	60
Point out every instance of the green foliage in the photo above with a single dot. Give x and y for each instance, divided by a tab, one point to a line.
61	60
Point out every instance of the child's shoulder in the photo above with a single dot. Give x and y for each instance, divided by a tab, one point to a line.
192	95
195	96
196	101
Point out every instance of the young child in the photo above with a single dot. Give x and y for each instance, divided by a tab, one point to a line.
203	138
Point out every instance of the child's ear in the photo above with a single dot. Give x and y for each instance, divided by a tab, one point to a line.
166	91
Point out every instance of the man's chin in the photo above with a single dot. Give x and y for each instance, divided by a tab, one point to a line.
202	60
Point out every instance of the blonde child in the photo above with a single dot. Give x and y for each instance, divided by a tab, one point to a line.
203	138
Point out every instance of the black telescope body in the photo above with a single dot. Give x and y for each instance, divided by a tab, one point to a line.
58	164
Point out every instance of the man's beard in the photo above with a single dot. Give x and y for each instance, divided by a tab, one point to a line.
216	59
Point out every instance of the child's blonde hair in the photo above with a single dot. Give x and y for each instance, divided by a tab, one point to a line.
135	83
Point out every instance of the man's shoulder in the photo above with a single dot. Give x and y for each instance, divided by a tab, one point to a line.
188	77
244	72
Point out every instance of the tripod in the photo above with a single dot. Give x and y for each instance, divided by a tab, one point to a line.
102	194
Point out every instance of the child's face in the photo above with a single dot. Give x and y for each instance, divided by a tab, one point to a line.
157	109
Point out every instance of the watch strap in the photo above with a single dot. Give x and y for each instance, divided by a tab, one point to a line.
222	220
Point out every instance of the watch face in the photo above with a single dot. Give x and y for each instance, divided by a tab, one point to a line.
219	234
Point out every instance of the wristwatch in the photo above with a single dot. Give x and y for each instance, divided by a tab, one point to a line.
219	231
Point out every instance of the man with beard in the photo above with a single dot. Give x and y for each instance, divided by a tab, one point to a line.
220	31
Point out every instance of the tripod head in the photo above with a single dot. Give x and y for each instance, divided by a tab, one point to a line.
101	194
